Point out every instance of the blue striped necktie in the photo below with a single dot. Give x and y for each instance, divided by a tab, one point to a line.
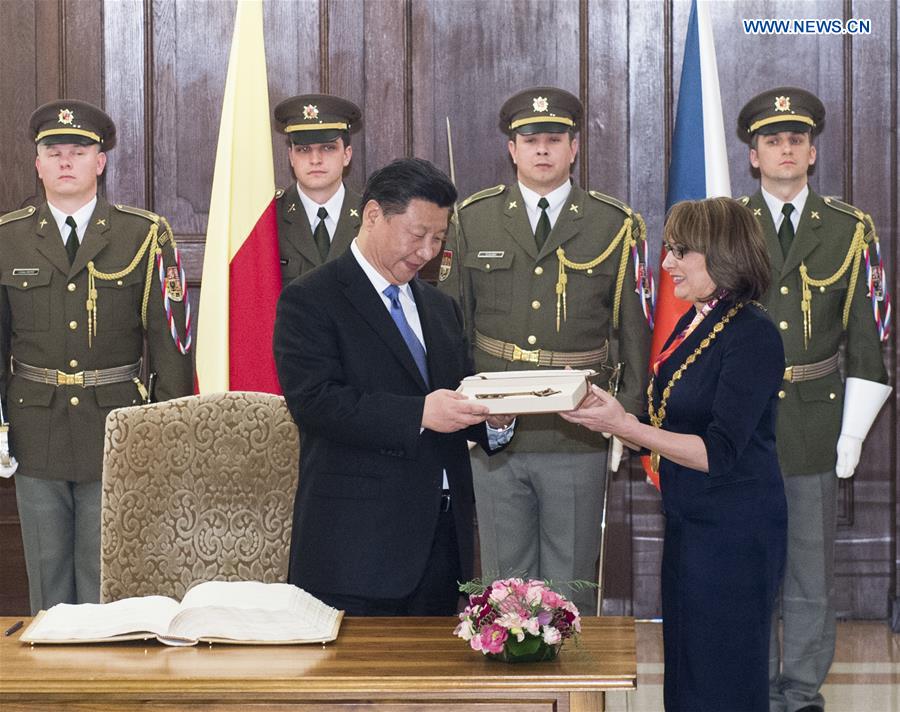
392	292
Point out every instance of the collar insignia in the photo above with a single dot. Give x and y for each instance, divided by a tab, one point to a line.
757	212
512	205
354	213
573	208
292	208
101	221
814	215
42	223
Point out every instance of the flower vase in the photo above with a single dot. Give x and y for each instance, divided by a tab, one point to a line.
531	650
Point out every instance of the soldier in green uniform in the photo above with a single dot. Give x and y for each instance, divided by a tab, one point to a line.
548	276
84	286
826	285
318	216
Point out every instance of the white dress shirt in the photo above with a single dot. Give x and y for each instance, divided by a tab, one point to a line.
556	198
776	204
81	216
333	205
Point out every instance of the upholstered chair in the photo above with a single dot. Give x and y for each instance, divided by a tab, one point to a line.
197	489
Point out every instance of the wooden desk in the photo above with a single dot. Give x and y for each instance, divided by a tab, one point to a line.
381	664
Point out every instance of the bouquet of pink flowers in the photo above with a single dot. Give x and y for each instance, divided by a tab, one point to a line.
517	620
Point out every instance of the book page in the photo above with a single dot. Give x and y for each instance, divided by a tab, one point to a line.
93	621
253	611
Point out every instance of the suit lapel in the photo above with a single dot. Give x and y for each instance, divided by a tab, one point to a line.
95	237
567	224
807	238
762	213
51	245
371	307
300	234
347	225
516	221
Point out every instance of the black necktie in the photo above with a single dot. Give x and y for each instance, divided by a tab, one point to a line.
71	240
786	231
543	225
323	241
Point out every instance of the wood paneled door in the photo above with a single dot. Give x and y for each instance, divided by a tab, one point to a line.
158	67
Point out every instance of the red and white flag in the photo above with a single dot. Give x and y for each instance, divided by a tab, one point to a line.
241	271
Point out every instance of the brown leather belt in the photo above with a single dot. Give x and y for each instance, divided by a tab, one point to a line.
542	357
811	371
99	377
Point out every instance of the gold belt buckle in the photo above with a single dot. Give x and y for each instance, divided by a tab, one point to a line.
789	374
70	379
524	355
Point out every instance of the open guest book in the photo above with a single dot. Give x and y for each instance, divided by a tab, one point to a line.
520	392
247	612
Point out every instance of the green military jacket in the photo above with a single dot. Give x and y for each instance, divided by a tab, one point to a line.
507	289
56	432
296	246
810	412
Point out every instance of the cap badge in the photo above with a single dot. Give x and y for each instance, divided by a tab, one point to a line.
310	111
540	103
66	116
782	103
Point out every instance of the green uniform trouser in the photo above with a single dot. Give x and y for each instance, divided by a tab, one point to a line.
539	517
61	536
799	664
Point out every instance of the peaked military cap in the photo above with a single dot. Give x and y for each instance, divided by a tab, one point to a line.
781	109
541	110
72	121
316	118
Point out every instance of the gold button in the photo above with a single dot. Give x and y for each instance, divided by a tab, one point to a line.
73	363
488	265
784	290
821	289
71	287
832	396
781	394
73	325
119	282
532	339
590	271
783	325
74	400
535	304
24	284
539	270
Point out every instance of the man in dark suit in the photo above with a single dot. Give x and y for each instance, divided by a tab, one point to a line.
318	215
367	356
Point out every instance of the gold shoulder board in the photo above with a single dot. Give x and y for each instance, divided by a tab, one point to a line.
25	212
482	194
744	200
842	207
152	217
279	193
615	202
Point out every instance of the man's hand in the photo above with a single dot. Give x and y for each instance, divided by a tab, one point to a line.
849	449
500	422
448	411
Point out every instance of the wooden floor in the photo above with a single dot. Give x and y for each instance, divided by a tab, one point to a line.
865	675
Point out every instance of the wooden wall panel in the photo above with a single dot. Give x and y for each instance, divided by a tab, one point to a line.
468	57
158	67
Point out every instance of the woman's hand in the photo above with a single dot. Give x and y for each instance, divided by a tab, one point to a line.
599	411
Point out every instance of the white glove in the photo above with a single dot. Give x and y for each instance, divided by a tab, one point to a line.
8	463
862	401
849	449
615	454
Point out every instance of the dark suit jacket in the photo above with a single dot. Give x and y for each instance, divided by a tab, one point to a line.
369	493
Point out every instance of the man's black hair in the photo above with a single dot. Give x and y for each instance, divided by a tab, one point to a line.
406	179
